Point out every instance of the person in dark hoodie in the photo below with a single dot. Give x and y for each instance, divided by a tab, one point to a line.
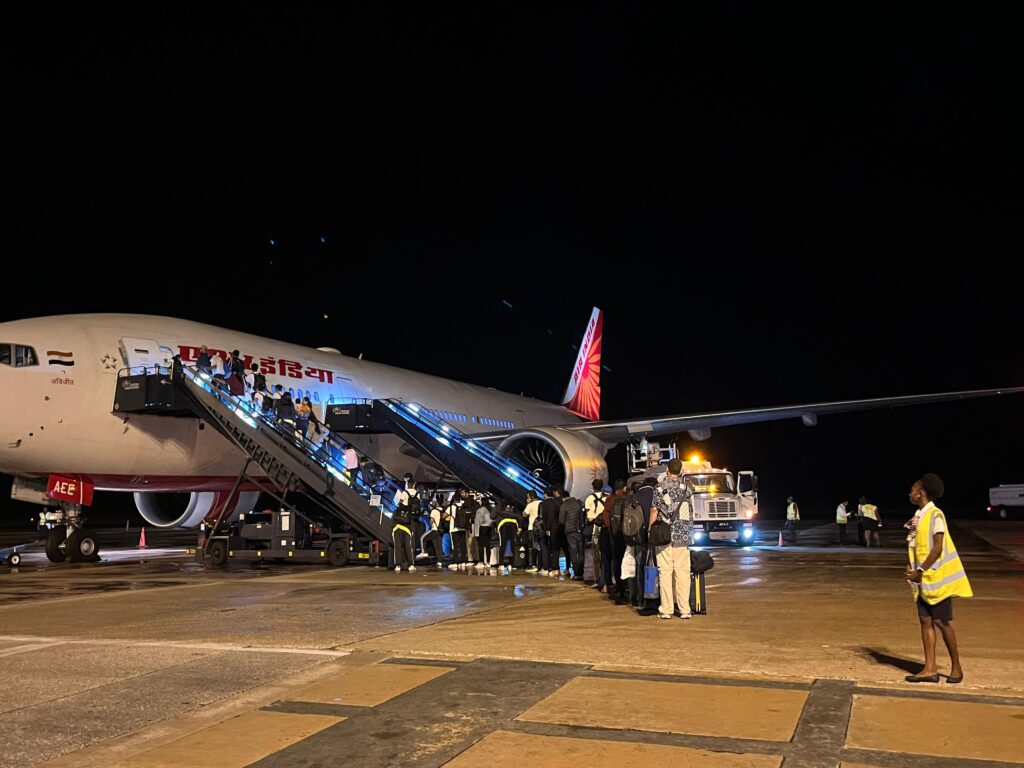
644	496
611	550
549	524
572	519
509	523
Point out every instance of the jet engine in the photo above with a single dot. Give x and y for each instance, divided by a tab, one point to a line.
188	510
559	457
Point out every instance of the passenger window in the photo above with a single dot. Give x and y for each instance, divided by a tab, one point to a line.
24	356
5	354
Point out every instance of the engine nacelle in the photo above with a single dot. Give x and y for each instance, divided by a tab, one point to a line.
564	459
188	510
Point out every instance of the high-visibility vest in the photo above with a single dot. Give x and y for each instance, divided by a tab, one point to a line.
791	513
869	511
399	527
946	577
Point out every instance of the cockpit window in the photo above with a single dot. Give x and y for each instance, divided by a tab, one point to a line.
17	355
24	356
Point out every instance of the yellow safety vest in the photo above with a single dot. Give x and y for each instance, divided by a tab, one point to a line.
946	577
398	527
508	520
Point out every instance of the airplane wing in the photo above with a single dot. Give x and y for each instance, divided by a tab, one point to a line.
699	425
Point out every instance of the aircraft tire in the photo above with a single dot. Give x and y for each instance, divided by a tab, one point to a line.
54	539
82	546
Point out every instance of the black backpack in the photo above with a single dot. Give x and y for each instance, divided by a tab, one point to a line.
633	521
618	508
259	382
462	521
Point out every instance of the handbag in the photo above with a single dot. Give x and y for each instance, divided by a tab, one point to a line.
651	590
660	535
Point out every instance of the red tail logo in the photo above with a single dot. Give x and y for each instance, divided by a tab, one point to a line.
583	395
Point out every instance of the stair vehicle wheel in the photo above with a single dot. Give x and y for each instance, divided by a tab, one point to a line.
14	560
82	546
337	552
54	539
1003	514
218	552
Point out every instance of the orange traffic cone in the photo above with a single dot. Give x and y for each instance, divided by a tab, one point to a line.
781	544
142	539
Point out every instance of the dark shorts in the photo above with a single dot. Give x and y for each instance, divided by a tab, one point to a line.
870	524
939	612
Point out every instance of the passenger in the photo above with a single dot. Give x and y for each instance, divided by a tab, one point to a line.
594	507
548	514
509	524
572	516
482	534
618	509
203	362
421	521
302	412
258	381
872	521
401	534
284	409
431	540
532	536
792	518
234	374
457	522
351	461
616	503
937	576
842	520
672	507
644	496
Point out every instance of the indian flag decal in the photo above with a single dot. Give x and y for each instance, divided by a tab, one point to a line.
59	358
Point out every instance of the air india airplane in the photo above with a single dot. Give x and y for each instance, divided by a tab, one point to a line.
58	377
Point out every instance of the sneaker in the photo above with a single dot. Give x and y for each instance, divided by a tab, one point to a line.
555	574
440	565
481	567
684	616
452	567
412	567
664	616
532	569
542	573
421	555
398	568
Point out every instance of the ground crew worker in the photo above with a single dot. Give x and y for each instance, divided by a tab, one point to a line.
872	521
508	533
792	518
401	533
936	575
593	505
841	521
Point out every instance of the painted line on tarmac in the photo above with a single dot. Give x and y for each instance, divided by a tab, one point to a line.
43	642
28	648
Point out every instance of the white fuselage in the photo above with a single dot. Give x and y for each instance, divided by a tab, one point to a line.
55	417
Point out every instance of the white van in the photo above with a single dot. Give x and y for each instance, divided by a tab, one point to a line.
1005	499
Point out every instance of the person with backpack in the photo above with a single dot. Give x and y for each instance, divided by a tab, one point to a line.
572	517
634	533
401	532
431	540
258	380
509	523
593	506
614	506
671	510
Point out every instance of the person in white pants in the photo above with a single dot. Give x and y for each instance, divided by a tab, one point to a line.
672	507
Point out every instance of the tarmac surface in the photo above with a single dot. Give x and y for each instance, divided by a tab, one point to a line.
148	659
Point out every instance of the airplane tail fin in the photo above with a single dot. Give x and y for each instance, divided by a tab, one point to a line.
583	394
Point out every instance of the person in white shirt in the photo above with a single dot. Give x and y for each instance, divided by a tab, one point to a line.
841	521
458	532
431	540
593	506
530	515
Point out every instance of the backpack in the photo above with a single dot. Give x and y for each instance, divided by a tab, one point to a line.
633	521
462	521
701	561
259	382
618	508
409	510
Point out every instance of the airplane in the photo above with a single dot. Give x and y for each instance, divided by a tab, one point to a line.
58	377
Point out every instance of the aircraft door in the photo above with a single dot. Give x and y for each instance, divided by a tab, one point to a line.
143	353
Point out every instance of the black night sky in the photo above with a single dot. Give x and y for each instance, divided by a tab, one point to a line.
771	206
